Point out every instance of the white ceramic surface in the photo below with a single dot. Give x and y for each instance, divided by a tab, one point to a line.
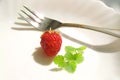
21	57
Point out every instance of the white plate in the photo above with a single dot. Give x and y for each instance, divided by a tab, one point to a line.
20	54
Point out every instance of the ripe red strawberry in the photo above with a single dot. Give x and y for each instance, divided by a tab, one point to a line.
51	42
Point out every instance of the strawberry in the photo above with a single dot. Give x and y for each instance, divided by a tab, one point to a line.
51	42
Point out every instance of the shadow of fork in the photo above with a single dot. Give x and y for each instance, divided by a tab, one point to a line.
28	28
107	48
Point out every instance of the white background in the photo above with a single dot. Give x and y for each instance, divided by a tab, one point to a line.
21	57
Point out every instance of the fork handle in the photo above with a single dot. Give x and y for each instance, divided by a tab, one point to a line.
98	29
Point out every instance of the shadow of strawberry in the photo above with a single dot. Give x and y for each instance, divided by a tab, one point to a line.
41	58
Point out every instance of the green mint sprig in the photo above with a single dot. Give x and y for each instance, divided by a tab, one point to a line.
72	57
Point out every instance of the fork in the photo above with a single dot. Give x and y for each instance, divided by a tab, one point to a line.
43	23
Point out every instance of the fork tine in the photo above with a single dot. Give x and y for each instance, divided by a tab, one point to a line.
24	18
33	23
32	12
27	15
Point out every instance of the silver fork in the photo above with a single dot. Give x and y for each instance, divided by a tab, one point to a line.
43	23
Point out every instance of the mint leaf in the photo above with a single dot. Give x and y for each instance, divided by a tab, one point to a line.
59	60
69	49
70	66
78	58
72	57
80	49
68	56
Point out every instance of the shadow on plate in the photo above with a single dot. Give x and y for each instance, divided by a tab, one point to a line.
107	48
27	27
22	29
41	58
56	69
112	3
